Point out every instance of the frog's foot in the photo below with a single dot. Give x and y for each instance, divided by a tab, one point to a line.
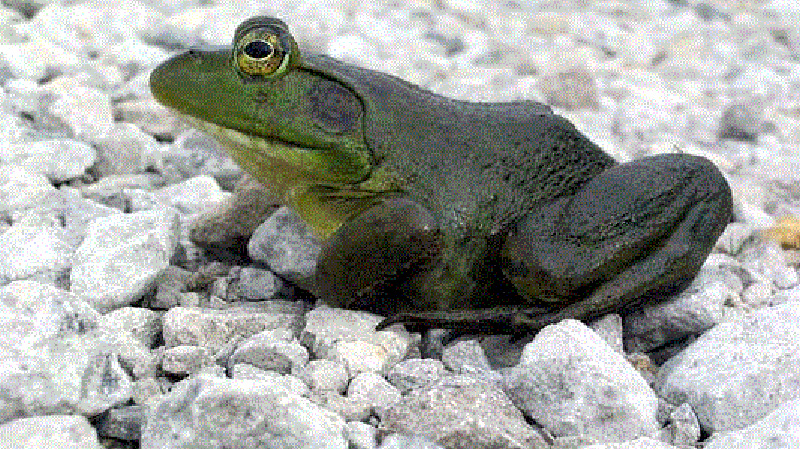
636	232
494	320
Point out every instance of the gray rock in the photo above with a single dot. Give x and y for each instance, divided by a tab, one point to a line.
285	244
254	284
214	328
734	237
34	251
683	428
739	371
124	150
351	409
373	389
609	328
185	360
193	195
115	190
639	443
398	441
288	382
572	383
194	153
170	286
61	431
788	295
453	413
58	159
466	357
349	336
122	256
148	115
273	350
207	412
741	122
361	435
21	188
123	423
704	303
142	324
55	356
765	261
415	373
758	294
84	111
322	375
570	89
779	429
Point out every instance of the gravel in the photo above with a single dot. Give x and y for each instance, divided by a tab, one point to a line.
114	324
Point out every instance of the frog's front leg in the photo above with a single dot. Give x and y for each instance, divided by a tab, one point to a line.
637	231
361	265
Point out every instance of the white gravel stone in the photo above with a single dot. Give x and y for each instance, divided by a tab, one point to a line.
572	383
414	373
214	413
58	159
255	284
739	371
185	360
143	324
779	429
122	256
609	328
374	389
639	443
361	435
766	262
217	329
56	355
27	251
704	303
61	431
274	350
322	375
124	149
466	357
288	382
21	189
349	337
285	244
193	195
453	413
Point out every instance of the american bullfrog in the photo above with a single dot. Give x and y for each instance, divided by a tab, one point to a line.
485	217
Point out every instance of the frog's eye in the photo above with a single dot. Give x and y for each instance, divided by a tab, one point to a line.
263	48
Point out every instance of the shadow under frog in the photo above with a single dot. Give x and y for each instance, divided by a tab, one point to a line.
482	217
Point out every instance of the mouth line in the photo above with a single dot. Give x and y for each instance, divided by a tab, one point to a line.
237	137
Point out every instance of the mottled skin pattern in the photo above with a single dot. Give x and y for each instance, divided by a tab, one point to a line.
487	217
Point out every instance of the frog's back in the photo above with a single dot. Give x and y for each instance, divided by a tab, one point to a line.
476	163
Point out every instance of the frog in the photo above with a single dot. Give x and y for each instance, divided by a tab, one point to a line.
482	217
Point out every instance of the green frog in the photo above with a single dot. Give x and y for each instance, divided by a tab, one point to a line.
481	217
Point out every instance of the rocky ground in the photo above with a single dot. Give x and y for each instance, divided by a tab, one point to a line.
117	331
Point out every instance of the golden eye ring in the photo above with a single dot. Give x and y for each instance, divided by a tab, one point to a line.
264	49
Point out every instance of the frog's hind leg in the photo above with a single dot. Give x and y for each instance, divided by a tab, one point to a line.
636	231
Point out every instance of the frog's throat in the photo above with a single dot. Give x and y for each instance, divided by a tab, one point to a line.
323	194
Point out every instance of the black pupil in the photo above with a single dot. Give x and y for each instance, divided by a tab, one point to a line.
258	49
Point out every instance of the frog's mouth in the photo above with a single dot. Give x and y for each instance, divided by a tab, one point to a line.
278	162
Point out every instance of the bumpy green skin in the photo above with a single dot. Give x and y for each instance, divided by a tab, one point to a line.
487	217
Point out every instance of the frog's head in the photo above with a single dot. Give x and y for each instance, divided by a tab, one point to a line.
287	121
